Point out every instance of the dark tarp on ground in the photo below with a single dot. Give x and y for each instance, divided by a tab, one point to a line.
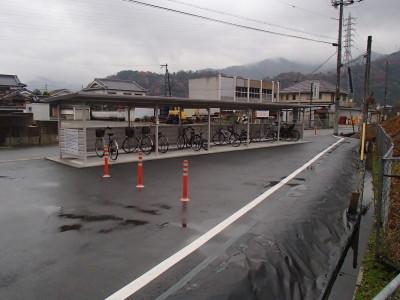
288	256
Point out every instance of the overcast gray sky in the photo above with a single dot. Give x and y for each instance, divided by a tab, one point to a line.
73	41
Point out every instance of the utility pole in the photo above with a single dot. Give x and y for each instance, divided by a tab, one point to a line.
311	98
386	84
367	79
340	4
164	110
167	82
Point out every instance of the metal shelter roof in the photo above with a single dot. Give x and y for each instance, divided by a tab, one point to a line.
88	98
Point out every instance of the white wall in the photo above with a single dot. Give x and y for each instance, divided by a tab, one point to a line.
204	88
227	88
41	111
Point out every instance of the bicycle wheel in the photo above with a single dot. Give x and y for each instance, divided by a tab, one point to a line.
130	144
196	143
99	147
243	138
163	144
180	142
234	140
218	139
295	135
256	137
113	149
146	145
204	144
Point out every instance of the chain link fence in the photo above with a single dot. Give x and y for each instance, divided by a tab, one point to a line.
387	195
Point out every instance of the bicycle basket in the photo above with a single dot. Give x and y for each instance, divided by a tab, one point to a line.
100	132
145	130
129	132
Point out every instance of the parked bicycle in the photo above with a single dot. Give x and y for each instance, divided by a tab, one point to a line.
226	136
199	142
243	137
131	142
265	132
185	137
100	143
147	145
287	132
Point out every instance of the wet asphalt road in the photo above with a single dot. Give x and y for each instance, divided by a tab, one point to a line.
69	234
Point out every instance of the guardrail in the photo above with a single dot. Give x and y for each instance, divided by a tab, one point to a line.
389	291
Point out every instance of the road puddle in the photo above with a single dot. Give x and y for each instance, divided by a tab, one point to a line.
64	228
161	205
124	225
134	222
91	218
153	212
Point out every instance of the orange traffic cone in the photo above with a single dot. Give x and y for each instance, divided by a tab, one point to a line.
106	168
139	178
185	180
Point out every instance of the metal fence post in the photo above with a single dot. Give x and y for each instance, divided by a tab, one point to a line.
378	216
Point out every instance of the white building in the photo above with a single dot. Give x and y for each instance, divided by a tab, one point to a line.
233	88
111	87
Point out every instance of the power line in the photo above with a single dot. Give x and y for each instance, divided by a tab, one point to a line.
229	23
246	18
323	64
307	10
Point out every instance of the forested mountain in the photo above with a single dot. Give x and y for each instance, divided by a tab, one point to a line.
154	82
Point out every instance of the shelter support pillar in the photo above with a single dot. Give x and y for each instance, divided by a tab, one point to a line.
59	129
84	127
273	92
129	116
249	111
209	129
180	116
279	126
156	113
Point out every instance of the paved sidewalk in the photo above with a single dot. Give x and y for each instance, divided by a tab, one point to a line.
8	154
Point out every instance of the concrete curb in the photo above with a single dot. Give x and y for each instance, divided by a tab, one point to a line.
128	158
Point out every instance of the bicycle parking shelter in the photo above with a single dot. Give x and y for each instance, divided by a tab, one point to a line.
77	138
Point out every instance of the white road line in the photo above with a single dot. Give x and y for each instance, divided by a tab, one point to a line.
159	269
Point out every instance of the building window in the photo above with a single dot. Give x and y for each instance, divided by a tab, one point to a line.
111	93
294	97
287	97
126	93
254	93
241	92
